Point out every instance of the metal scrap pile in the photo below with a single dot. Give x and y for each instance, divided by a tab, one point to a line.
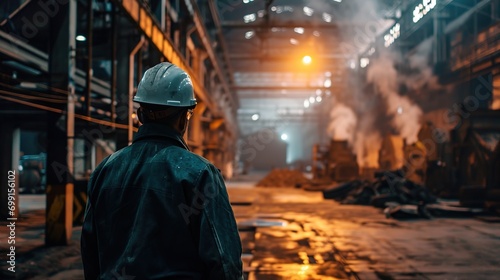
400	197
284	178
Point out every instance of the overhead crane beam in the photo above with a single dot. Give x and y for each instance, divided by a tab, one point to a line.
278	88
286	24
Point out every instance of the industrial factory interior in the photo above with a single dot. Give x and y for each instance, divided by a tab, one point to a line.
356	139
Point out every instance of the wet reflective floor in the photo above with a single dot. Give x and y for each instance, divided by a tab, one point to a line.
294	234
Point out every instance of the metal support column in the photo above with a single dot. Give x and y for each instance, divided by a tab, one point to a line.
59	213
9	149
131	80
495	11
439	53
90	35
114	45
126	43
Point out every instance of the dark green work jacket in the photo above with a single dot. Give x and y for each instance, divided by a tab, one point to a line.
157	211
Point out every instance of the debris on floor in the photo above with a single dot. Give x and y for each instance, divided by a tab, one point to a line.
399	197
284	178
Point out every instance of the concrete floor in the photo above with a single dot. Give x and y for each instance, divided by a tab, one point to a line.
294	234
318	239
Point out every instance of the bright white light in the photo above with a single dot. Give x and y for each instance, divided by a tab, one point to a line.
423	9
249	18
255	117
284	137
363	62
327	17
81	38
308	11
312	100
282	9
400	110
306	59
393	34
352	65
247	1
299	30
294	41
328	83
249	34
306	103
338	1
319	99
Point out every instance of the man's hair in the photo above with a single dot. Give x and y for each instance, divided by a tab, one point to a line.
161	114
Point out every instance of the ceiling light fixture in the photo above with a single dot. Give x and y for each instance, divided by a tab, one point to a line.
81	38
299	30
308	11
327	17
249	34
307	60
306	103
249	18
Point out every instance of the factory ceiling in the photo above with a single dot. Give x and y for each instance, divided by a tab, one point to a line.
283	53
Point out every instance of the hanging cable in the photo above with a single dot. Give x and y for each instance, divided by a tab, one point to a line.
55	110
33	97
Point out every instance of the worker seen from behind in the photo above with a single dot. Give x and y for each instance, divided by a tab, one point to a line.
155	210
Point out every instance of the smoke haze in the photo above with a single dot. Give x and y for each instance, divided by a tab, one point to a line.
391	99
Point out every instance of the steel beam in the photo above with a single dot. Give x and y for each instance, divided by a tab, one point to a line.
114	55
149	27
60	171
205	38
254	56
222	41
279	88
244	66
285	24
90	40
131	70
8	166
19	50
152	31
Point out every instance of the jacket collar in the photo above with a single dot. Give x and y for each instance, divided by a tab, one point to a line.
155	130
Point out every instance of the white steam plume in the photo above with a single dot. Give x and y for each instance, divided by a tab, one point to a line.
343	123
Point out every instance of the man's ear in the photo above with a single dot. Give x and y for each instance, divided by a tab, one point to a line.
182	122
140	115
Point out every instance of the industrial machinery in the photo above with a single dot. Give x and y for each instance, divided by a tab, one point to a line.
32	173
468	166
335	162
475	146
